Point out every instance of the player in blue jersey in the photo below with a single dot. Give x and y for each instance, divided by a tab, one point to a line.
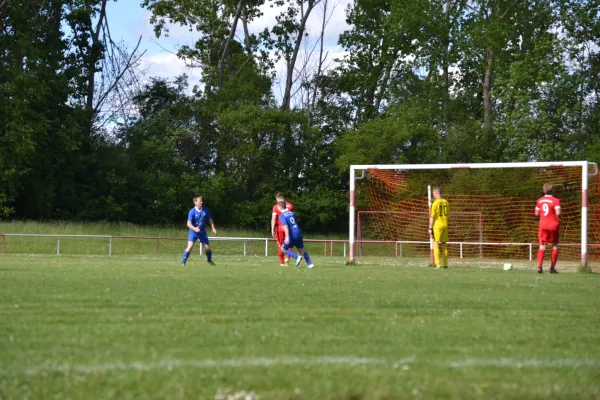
198	218
293	236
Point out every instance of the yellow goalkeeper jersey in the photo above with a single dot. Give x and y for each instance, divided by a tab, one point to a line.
440	212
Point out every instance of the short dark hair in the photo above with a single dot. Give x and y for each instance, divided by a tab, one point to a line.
280	196
437	189
547	188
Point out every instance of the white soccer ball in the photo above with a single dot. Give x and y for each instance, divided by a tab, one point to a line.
508	266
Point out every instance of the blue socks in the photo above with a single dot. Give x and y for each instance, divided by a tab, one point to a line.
291	254
307	258
295	256
186	254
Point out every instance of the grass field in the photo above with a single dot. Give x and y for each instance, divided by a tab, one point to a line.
126	327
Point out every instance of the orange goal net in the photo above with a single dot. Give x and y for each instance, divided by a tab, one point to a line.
492	209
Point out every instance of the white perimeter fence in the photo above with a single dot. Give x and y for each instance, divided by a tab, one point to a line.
250	245
253	246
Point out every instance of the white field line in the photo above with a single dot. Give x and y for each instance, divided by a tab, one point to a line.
512	363
169	365
204	363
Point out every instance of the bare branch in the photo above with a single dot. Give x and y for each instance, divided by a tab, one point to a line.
225	51
131	61
292	61
95	34
246	32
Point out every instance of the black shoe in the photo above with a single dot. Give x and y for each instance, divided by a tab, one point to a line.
211	262
540	270
553	271
445	266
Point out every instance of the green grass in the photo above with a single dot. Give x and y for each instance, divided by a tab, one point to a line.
110	228
128	229
143	327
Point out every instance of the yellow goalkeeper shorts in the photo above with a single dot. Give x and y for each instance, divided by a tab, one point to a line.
440	234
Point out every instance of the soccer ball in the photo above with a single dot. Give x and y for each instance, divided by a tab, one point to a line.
508	266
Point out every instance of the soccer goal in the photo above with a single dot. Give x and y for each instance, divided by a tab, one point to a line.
492	209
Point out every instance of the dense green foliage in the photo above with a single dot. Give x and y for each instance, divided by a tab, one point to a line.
423	81
141	327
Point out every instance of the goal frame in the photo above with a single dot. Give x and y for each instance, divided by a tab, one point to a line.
584	165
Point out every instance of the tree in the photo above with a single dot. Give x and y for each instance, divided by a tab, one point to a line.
405	135
217	22
34	90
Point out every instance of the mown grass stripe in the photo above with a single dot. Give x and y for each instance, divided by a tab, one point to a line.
301	361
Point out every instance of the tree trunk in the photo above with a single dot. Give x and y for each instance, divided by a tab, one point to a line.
487	88
246	32
289	79
321	59
94	58
445	67
385	83
225	52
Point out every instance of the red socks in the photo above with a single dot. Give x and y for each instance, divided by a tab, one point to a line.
554	257
540	257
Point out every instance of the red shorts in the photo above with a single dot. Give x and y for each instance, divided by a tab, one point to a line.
546	236
280	237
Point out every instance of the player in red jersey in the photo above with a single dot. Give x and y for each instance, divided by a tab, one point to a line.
277	229
548	209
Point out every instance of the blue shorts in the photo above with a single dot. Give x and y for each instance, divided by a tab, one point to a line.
201	236
297	241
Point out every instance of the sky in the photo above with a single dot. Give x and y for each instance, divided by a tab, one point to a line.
128	21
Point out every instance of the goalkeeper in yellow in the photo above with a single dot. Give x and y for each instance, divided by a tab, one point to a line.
438	227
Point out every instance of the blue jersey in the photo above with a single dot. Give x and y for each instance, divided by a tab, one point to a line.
288	218
199	218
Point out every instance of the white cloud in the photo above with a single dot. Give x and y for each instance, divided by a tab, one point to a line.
168	66
336	19
176	32
267	20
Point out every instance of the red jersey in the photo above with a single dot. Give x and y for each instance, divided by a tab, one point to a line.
546	208
277	212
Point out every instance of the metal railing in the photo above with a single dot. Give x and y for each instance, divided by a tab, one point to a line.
250	243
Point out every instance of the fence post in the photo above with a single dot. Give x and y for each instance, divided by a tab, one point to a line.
266	247
110	246
245	247
3	243
58	246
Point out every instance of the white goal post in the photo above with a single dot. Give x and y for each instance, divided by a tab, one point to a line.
585	172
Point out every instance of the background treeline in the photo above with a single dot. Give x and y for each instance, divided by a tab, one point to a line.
85	136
